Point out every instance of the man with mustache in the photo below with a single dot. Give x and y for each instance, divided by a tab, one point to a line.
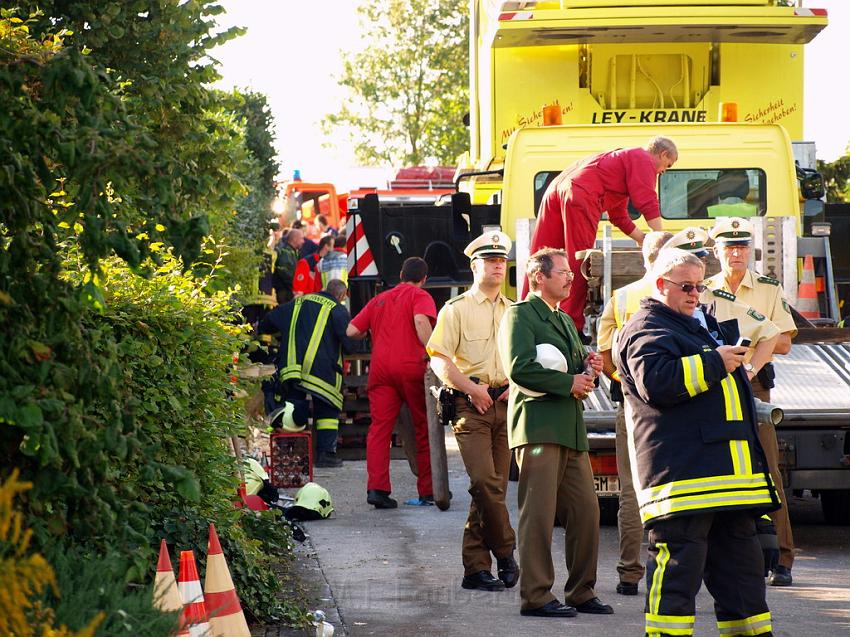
547	431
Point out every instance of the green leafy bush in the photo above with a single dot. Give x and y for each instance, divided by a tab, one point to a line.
90	581
117	160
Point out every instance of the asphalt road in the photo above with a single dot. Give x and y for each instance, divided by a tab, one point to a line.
398	572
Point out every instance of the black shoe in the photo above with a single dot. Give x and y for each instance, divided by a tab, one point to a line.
625	588
482	581
508	570
327	460
552	609
781	576
594	606
380	499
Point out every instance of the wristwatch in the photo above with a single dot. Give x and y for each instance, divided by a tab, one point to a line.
748	367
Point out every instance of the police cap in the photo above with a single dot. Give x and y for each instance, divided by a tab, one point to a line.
732	231
691	239
490	244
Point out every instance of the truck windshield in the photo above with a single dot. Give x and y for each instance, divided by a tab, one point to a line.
710	193
705	193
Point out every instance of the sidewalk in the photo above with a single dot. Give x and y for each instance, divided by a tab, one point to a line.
398	572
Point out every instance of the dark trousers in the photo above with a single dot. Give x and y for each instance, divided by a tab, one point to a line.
325	418
720	549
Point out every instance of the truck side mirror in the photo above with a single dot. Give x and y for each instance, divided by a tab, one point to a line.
811	183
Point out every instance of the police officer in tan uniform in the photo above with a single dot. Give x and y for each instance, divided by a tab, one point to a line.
624	302
722	305
733	248
464	356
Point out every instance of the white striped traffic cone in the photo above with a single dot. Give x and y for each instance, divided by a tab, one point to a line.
807	295
166	597
226	616
193	621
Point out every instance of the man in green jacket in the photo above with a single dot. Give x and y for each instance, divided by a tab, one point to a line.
546	427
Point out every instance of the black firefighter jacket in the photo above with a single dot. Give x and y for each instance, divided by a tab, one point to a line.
312	330
691	425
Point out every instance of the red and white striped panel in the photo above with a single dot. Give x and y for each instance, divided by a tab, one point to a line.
516	15
360	259
809	13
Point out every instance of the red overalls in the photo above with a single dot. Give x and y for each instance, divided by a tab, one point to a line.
575	200
396	374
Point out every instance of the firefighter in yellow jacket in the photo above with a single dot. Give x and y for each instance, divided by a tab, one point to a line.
698	468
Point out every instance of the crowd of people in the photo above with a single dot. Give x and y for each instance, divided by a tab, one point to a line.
686	357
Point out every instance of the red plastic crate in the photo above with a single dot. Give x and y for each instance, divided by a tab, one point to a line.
291	460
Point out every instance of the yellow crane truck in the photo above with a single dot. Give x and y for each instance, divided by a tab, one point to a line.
552	82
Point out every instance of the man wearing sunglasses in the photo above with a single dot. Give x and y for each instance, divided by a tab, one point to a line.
700	472
733	237
762	333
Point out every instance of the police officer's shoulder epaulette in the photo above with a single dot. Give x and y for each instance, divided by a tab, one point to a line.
454	299
767	279
723	294
756	315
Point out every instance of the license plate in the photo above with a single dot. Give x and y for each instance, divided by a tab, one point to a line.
606	485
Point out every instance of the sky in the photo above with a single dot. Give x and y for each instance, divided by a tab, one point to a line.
292	54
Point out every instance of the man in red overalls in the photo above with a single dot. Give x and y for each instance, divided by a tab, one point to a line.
575	200
401	320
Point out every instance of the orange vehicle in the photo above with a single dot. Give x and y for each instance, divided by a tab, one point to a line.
314	199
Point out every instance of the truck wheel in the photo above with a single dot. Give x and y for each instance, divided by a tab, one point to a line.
836	506
437	442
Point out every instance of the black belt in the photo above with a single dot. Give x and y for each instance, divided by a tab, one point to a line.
495	392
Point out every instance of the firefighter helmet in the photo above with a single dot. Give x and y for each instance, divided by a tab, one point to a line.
312	502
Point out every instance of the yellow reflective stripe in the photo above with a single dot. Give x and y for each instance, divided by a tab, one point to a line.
318	386
732	399
699	485
658	577
327	423
741	460
669	624
290	345
755	625
315	338
653	510
694	375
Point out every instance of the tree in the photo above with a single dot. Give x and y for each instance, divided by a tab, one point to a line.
409	88
836	178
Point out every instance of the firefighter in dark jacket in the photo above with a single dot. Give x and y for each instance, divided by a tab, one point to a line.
698	468
312	334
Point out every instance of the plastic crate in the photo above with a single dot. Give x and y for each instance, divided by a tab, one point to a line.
291	460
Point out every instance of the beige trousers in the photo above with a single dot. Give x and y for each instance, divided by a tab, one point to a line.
555	480
768	440
629	525
483	443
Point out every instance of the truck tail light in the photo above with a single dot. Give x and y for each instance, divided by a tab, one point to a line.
604	464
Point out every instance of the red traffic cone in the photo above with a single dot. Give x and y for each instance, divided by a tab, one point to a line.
193	620
807	295
226	616
166	597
